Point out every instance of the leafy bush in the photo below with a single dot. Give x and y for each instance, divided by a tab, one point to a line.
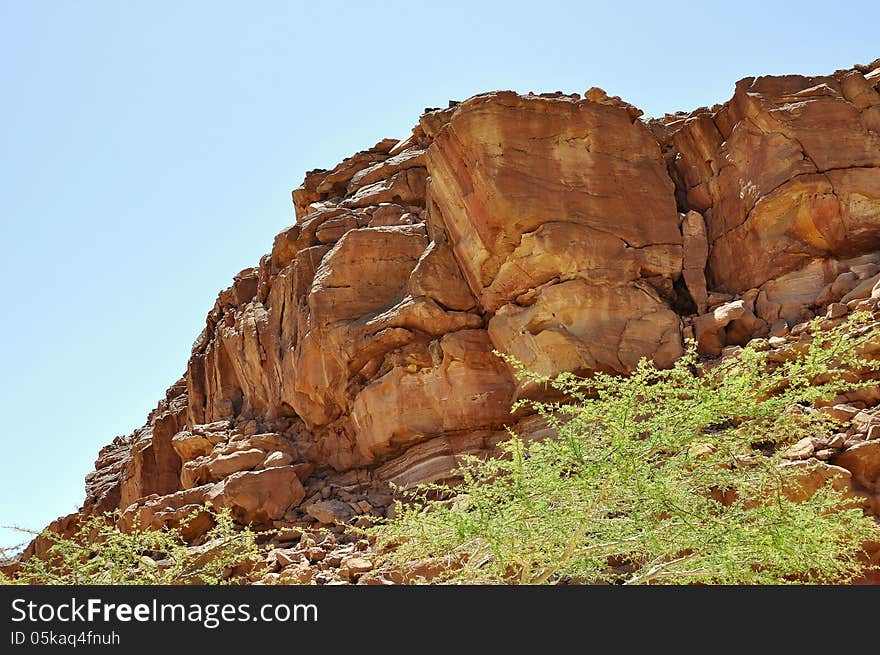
99	553
663	476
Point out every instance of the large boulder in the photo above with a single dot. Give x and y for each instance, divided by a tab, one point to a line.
468	387
559	210
863	461
258	496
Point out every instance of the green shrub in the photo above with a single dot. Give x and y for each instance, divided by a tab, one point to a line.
663	476
99	553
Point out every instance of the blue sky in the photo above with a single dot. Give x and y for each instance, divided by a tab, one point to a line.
148	150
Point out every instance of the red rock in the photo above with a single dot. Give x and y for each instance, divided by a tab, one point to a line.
863	461
258	496
696	253
330	511
322	185
732	322
577	326
787	171
841	412
277	458
360	350
189	446
837	310
353	567
551	180
804	478
296	574
467	388
156	511
410	158
243	460
801	450
154	466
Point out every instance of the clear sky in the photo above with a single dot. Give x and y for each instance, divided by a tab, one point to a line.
148	150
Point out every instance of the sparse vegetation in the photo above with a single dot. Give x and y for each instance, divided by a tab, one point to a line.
664	476
99	553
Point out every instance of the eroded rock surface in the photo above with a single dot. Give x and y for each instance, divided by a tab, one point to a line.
785	173
564	231
563	219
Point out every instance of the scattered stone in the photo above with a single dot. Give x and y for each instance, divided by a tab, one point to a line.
315	554
381	578
801	450
811	475
330	511
841	412
837	440
353	567
779	328
286	557
837	310
286	533
334	559
296	574
863	420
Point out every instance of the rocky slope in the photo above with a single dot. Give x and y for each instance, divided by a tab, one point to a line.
563	230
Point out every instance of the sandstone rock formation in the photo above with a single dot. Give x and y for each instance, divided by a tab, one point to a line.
786	177
564	221
564	231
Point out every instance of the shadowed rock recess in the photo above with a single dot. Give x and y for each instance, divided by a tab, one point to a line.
563	230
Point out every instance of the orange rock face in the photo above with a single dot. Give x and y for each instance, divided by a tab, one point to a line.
560	211
786	172
565	232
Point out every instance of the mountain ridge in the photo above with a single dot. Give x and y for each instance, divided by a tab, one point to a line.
561	230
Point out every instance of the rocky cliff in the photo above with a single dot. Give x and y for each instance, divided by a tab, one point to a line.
563	230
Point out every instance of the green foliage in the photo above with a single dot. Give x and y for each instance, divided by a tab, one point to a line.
100	553
663	476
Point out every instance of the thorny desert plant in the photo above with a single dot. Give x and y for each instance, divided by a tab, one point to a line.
100	553
663	476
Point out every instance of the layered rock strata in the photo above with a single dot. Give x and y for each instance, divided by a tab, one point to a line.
563	231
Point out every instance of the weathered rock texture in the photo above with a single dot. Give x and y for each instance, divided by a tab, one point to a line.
786	176
564	231
564	221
